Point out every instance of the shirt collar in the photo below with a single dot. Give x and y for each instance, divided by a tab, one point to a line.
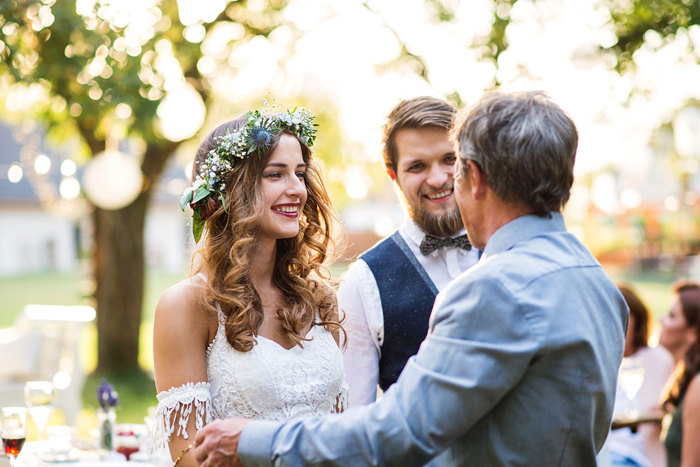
522	228
411	232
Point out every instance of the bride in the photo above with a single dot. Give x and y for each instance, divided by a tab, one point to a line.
254	331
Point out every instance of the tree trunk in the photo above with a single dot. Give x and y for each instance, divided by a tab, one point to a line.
119	272
119	269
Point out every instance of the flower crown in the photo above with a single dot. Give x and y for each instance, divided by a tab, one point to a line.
257	133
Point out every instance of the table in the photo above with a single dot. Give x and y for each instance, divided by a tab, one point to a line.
633	423
85	457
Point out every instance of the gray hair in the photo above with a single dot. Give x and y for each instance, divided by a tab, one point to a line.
525	145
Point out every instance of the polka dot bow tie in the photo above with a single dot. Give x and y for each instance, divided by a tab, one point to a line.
431	243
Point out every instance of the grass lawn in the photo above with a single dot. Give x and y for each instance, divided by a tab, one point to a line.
46	289
137	391
653	287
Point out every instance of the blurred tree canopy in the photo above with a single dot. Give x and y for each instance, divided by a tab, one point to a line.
104	75
635	20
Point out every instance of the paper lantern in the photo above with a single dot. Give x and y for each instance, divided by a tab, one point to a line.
112	180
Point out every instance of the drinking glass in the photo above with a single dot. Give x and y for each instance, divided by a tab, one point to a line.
14	431
630	378
39	397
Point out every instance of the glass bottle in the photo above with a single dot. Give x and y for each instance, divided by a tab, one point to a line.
106	423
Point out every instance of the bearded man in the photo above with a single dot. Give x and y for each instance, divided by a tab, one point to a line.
387	295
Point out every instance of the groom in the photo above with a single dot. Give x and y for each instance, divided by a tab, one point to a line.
388	293
520	363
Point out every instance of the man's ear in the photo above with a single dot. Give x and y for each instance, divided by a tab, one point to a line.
390	172
477	179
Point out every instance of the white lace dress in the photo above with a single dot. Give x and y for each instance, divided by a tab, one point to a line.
269	382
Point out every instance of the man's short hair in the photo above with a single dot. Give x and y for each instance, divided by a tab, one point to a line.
525	145
418	112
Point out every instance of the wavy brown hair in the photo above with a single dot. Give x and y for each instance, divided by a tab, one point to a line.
229	239
641	314
689	295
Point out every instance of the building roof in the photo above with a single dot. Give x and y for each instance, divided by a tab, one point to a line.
23	192
10	149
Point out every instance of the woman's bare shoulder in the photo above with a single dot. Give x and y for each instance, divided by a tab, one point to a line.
692	394
691	409
181	330
181	300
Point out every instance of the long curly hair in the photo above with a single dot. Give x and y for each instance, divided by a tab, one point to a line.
229	239
689	295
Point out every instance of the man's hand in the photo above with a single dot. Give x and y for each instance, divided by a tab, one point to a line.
217	442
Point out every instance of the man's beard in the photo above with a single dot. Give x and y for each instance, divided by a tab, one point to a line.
443	225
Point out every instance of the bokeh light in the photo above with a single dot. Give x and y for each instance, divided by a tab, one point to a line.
69	188
68	168
42	164
15	173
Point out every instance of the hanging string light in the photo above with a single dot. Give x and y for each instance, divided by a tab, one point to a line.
63	200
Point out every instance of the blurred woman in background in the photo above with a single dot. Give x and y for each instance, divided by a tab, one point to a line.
641	447
680	334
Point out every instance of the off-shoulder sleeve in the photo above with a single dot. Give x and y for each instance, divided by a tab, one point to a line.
174	409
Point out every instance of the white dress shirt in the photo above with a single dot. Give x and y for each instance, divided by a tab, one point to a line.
358	298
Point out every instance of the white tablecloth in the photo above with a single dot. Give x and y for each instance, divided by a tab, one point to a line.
29	458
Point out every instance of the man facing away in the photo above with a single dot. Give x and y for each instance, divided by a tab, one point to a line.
387	295
520	364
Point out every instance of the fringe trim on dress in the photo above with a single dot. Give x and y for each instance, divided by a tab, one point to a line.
174	408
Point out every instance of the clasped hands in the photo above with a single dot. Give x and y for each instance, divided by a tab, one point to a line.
217	442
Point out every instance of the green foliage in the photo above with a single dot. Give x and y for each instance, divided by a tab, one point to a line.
495	43
89	63
57	57
634	19
100	78
442	10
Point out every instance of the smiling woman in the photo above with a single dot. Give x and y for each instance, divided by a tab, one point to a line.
258	315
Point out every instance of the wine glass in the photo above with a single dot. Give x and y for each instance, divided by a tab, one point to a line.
630	378
14	431
39	397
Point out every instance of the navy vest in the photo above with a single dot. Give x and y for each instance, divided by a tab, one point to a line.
407	294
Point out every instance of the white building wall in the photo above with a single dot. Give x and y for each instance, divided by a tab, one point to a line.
166	238
33	241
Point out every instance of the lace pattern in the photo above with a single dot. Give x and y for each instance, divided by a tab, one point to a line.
268	383
174	409
273	383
